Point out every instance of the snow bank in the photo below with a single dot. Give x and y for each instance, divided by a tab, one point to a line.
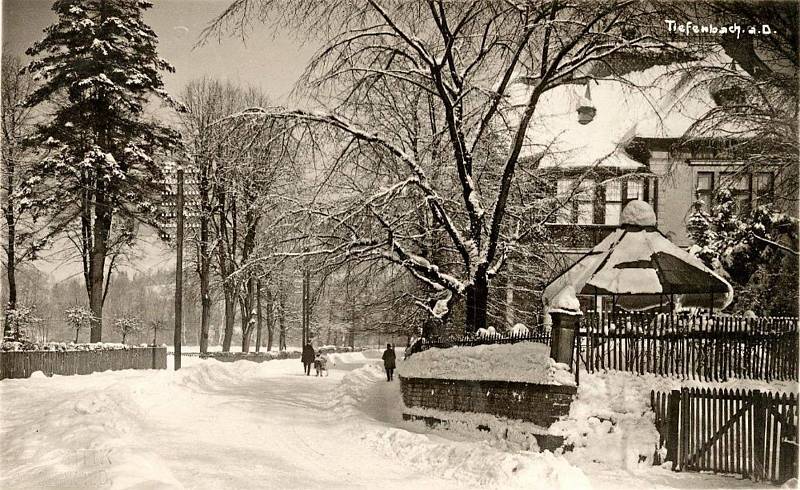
354	389
350	358
85	438
524	361
505	433
477	462
611	422
470	462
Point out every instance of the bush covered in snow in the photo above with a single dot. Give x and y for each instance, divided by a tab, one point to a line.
519	329
524	361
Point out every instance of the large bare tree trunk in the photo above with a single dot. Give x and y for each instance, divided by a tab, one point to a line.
11	263
247	306
230	316
204	271
270	319
282	319
477	299
509	296
97	262
204	265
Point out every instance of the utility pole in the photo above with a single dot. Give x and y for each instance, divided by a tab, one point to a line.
259	316
179	272
305	326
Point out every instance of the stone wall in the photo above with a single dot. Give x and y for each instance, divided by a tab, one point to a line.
536	403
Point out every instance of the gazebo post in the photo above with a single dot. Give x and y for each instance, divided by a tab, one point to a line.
598	308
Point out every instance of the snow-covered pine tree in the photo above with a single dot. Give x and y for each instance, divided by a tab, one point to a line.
700	231
755	250
98	68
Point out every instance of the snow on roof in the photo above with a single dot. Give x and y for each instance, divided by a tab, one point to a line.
646	264
659	102
566	302
638	213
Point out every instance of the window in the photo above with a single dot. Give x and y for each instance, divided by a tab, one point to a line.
739	186
705	188
563	190
746	189
634	191
764	184
585	199
613	202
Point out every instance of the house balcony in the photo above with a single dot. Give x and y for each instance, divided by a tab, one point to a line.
578	237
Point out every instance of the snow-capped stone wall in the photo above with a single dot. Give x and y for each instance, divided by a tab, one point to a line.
537	403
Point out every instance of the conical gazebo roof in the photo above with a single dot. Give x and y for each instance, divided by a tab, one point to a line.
640	267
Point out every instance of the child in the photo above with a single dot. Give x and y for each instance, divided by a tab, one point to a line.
320	364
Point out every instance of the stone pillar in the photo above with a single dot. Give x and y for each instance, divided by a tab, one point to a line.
562	345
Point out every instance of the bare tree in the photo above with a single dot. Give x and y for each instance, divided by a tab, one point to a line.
22	242
754	121
241	166
417	97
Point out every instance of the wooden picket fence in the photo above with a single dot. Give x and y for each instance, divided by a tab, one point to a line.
473	340
21	364
750	433
705	348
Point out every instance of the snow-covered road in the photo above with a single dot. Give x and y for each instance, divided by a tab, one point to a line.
211	425
247	425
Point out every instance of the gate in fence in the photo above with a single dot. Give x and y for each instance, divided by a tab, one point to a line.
750	433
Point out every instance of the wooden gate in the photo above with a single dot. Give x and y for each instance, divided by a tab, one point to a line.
750	433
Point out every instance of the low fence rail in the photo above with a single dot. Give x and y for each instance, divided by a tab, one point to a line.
750	433
705	348
21	364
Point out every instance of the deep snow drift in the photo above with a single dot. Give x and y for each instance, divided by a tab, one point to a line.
264	425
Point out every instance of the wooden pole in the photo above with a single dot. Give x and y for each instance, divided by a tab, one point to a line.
303	313
179	271
259	316
307	304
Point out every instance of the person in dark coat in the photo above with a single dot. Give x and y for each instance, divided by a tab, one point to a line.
308	357
389	362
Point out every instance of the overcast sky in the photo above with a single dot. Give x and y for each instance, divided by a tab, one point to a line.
269	59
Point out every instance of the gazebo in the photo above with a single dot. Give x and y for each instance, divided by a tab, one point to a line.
639	268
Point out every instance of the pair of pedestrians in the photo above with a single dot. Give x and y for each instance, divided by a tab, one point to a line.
318	359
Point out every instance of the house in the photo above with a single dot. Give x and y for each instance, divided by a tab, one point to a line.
614	139
628	150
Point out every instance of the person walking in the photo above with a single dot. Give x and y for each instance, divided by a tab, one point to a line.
308	357
389	362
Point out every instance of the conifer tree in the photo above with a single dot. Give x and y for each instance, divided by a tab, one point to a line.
99	68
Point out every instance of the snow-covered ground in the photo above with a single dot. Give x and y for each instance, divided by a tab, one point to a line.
264	425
